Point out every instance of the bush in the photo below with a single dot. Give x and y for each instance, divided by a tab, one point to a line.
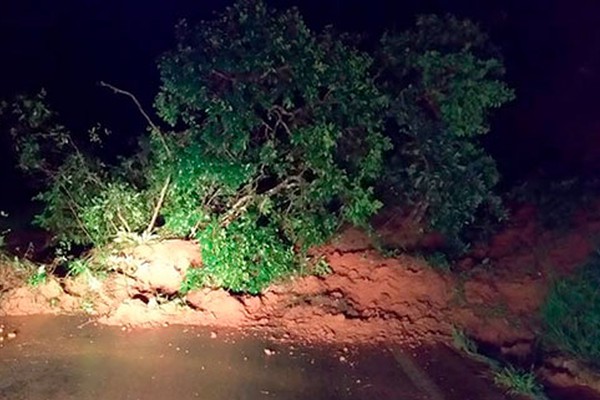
443	79
85	203
571	314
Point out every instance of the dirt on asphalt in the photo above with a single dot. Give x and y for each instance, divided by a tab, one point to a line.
367	298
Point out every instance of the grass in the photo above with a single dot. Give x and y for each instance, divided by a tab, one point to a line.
193	280
315	266
518	382
464	343
38	277
571	314
513	380
321	268
17	270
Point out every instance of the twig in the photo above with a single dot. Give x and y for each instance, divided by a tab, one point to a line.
123	221
141	109
159	204
240	206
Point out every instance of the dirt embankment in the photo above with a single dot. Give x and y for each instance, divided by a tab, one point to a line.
365	298
495	296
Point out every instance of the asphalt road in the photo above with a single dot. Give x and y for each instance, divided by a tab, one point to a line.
66	358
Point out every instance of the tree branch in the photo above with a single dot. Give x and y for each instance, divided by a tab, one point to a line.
141	110
159	204
242	203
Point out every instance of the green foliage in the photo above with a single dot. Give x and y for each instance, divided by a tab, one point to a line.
443	79
92	269
3	232
439	261
243	257
321	268
38	276
514	380
282	140
557	200
518	382
78	267
84	203
571	313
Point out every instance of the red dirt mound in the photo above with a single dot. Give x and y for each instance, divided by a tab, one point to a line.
495	297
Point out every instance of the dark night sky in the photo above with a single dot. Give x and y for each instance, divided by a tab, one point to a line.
552	50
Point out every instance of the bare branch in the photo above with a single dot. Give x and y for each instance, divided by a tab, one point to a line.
159	204
141	110
243	202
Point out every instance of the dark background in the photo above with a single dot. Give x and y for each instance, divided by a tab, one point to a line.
551	49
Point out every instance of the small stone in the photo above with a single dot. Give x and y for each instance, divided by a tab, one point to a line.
269	352
213	335
342	359
11	335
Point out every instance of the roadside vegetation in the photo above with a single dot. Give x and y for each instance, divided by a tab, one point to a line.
570	326
571	314
557	200
514	380
267	137
262	152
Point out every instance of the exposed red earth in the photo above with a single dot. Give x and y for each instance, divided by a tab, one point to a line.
367	297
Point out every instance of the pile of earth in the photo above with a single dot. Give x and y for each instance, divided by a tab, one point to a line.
494	296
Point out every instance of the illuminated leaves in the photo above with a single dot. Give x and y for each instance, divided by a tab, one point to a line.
284	131
443	79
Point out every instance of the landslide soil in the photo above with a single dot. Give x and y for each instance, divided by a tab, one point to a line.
494	294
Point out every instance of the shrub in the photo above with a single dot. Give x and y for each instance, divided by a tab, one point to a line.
85	203
443	79
571	314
